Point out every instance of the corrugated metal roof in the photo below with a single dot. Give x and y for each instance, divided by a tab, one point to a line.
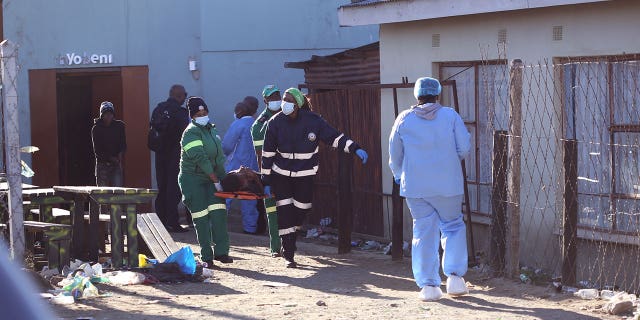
363	3
358	65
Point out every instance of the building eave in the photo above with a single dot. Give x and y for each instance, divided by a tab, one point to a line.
382	12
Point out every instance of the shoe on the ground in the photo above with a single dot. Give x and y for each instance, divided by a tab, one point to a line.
276	254
456	286
429	293
177	229
224	258
290	264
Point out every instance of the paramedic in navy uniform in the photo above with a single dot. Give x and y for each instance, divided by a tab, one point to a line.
290	161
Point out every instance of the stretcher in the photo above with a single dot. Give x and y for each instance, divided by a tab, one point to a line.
240	195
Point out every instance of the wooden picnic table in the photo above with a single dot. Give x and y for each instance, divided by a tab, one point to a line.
120	201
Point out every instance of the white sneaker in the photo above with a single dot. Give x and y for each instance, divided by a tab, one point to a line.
456	286
429	293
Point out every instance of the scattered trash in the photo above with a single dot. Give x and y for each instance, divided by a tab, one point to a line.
79	286
321	303
207	273
587	294
146	262
616	306
62	299
525	278
313	233
48	273
209	280
356	243
328	236
124	278
569	289
556	283
405	249
325	222
371	245
184	259
607	294
586	284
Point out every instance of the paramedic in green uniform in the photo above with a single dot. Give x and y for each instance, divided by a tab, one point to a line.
201	169
272	98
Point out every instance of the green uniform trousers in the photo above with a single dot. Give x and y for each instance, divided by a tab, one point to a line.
272	218
209	215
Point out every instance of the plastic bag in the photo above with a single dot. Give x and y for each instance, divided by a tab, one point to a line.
184	259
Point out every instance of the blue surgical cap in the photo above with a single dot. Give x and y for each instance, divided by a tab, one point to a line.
427	87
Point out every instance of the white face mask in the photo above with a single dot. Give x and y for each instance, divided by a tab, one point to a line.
287	107
274	105
202	120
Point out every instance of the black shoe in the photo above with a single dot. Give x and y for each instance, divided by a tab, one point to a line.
177	229
291	264
224	258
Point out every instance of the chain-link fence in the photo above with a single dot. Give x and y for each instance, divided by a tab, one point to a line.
556	169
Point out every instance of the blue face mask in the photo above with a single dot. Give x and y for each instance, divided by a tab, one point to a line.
288	107
202	120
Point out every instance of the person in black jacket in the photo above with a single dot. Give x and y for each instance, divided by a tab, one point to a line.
170	119
109	145
290	161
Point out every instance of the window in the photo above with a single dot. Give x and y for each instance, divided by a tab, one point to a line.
601	104
482	90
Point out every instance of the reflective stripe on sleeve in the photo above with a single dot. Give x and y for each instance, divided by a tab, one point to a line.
271	209
337	140
282	232
347	145
258	143
217	206
301	205
301	156
265	171
268	154
195	143
284	202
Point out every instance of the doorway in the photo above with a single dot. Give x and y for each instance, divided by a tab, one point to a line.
79	96
64	104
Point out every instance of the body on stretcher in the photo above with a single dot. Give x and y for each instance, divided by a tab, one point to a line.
240	195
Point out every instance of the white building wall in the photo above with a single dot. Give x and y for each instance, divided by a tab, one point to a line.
588	30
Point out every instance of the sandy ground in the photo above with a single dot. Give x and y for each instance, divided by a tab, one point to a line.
358	285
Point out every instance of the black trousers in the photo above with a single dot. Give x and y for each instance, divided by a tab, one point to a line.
294	196
167	169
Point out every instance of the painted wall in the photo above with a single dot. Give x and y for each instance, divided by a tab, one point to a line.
239	46
245	44
406	50
142	32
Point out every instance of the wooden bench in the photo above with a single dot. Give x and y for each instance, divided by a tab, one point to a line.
154	234
57	239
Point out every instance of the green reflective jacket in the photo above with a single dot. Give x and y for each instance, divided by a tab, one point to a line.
201	151
259	128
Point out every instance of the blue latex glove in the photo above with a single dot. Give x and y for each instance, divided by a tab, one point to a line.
397	181
362	155
267	191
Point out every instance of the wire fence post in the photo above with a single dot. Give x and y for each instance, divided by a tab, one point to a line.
515	149
570	215
9	66
499	202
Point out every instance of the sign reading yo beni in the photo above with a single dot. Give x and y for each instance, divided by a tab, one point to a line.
72	58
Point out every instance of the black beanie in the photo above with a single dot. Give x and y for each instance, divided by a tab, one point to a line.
195	104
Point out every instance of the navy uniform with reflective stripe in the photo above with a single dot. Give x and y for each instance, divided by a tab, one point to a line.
289	162
291	145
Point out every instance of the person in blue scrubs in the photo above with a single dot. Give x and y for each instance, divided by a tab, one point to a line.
426	144
237	146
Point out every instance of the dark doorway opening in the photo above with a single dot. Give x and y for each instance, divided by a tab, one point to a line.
78	99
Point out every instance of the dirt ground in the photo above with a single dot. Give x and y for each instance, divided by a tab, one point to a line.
358	285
